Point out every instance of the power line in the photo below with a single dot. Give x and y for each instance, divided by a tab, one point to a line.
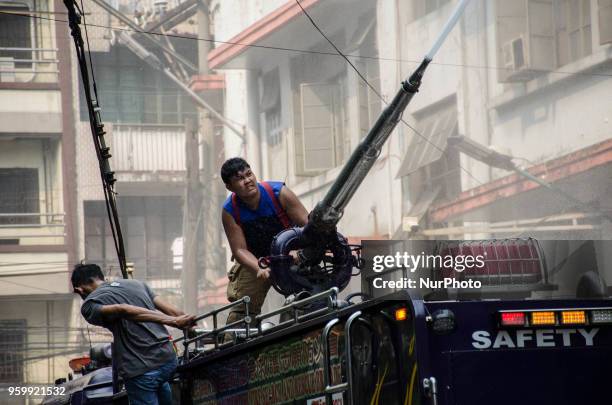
308	51
338	53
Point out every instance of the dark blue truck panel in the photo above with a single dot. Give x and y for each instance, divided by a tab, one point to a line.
483	363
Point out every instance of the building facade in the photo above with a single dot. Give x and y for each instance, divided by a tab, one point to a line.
524	79
528	79
37	189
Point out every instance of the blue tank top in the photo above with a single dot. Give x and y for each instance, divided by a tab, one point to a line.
260	226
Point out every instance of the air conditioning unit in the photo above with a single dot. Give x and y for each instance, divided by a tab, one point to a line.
515	56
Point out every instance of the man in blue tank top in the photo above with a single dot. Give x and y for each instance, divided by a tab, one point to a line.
252	216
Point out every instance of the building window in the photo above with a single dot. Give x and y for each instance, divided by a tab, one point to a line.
423	7
323	111
12	349
442	175
320	125
131	92
19	195
572	30
430	171
149	225
370	103
15	32
274	131
605	16
270	106
99	246
320	106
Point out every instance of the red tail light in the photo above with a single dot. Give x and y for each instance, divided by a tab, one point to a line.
505	261
513	318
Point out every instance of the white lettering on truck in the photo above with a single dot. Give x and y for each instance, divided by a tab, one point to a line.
503	339
481	339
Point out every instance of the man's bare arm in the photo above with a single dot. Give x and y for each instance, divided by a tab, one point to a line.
238	245
166	307
140	314
293	206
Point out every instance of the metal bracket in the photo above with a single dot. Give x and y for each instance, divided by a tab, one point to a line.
430	389
329	389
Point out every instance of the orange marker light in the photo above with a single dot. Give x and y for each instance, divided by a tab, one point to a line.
401	314
79	363
543	318
573	317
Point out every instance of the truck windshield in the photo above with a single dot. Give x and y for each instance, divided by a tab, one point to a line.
489	269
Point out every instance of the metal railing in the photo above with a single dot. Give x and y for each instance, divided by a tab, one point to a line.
30	65
330	296
211	336
18	226
50	219
143	148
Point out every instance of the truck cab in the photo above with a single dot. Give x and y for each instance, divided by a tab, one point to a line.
538	331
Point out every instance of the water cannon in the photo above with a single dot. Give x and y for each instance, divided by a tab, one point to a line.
317	257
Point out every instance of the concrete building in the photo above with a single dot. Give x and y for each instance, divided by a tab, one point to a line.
37	189
524	79
305	111
52	212
144	115
304	107
529	79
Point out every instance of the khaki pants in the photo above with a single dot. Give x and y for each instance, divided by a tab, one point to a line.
244	282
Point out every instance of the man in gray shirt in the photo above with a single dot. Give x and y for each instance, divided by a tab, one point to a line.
136	316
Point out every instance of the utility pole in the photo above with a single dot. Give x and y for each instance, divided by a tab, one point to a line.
213	255
191	222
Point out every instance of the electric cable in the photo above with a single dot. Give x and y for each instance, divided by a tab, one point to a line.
97	129
307	51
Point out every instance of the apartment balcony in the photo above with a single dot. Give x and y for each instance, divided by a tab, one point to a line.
32	229
148	147
148	152
30	97
33	255
28	65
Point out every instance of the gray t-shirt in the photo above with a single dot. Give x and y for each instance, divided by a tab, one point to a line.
139	346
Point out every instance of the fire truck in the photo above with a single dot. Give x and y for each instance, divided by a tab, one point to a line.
537	330
532	334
